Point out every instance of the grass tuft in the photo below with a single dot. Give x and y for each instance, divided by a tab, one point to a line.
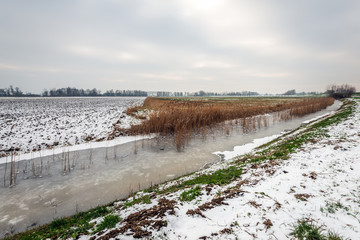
305	229
190	194
109	222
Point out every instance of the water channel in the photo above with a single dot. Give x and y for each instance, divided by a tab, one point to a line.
63	184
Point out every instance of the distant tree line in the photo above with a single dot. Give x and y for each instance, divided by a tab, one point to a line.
341	91
336	91
127	93
70	92
243	93
11	92
15	92
293	92
74	92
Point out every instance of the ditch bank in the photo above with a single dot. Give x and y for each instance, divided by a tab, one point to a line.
64	184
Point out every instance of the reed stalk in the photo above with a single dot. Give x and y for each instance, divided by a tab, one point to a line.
5	171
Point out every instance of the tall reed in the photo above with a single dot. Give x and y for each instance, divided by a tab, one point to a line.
183	118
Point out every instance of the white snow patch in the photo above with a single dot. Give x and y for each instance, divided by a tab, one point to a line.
246	148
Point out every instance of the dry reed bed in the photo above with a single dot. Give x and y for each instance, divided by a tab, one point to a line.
184	117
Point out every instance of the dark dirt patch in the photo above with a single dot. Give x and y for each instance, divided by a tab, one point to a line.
277	206
209	205
136	223
215	202
313	175
195	212
109	235
302	196
242	182
226	230
268	224
270	172
254	204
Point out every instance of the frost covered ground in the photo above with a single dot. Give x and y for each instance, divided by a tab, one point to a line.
317	183
28	124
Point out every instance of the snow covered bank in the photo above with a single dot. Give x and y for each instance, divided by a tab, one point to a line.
308	174
318	182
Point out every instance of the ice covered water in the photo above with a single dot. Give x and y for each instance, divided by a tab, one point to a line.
62	184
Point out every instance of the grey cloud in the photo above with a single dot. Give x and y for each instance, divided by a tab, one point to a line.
156	45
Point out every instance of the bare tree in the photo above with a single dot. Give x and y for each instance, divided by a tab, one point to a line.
340	91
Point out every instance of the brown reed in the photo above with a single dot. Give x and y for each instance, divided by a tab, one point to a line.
183	117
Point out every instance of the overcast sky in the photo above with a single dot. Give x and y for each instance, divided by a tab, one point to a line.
180	45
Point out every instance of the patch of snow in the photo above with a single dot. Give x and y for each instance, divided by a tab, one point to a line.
246	148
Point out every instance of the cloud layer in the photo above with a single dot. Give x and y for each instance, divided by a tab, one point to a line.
183	45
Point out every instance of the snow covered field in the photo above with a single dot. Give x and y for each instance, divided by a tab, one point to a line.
317	183
28	124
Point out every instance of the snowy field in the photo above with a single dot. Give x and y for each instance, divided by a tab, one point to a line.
28	124
319	184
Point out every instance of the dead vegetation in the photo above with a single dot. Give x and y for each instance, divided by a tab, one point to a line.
215	202
137	224
302	196
184	117
254	204
268	224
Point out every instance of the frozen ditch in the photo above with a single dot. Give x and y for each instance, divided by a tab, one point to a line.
61	184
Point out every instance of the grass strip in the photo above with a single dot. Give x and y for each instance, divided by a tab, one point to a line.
219	177
63	228
109	222
145	200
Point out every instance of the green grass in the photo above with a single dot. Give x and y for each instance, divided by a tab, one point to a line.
219	177
309	231
109	222
145	200
306	230
64	227
332	207
190	194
